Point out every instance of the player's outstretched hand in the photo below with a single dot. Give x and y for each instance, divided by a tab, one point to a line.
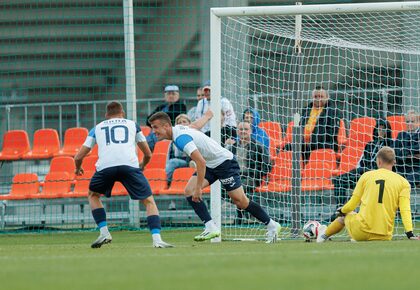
79	171
197	195
339	213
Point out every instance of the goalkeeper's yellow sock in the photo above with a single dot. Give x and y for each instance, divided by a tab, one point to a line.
333	228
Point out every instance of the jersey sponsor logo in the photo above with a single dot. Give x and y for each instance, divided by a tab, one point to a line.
228	181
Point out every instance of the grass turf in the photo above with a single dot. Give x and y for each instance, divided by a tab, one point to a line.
65	261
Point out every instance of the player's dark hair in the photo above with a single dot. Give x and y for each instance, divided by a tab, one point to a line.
114	108
162	116
386	154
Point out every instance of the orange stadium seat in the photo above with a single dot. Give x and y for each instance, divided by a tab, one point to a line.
146	130
327	156
281	173
342	135
349	159
361	131
89	163
119	189
289	132
73	140
317	176
23	186
157	179
63	164
398	125
162	147
158	160
81	187
275	133
180	179
46	144
56	185
15	145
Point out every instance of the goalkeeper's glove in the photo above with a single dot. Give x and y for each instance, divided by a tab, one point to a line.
411	236
339	213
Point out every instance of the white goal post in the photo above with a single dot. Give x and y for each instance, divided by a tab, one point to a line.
271	58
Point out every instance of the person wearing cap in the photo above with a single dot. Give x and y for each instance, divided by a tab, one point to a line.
229	121
173	106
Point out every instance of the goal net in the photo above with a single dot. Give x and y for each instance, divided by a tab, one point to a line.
362	59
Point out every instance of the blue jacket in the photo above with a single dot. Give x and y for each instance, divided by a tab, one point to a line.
258	134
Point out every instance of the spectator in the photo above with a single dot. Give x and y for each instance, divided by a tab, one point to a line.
252	116
407	149
192	112
253	158
321	123
229	117
173	106
382	136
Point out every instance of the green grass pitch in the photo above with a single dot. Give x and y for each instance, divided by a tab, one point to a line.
62	261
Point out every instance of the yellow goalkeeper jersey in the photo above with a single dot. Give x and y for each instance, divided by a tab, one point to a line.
380	193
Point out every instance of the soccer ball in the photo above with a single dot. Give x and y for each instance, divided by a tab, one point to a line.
310	230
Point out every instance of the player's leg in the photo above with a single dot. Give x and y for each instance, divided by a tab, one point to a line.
333	228
211	231
102	181
153	222
99	215
139	189
242	202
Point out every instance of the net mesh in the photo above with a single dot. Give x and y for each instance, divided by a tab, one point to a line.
368	65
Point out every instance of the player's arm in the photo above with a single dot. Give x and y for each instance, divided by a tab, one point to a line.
201	122
83	151
405	211
144	147
201	171
355	198
147	154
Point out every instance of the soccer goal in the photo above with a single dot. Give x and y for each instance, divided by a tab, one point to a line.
271	59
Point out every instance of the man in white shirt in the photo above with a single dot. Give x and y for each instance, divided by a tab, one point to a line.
213	162
229	114
117	138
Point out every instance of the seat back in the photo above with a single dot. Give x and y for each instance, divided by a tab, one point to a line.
350	158
157	179
46	141
361	131
282	168
73	140
273	130
25	184
89	163
162	147
398	124
81	186
342	133
158	160
56	184
328	156
180	178
63	164
146	130
15	144
317	169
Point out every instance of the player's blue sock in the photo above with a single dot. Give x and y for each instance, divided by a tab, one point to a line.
153	221
99	216
200	209
258	212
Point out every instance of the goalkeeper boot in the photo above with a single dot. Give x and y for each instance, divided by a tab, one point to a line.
161	244
321	234
207	235
273	234
102	240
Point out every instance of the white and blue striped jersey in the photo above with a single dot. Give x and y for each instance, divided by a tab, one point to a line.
117	140
189	140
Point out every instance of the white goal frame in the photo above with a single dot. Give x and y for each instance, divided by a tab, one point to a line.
215	55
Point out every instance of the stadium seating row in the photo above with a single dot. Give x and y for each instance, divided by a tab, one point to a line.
46	144
59	184
360	132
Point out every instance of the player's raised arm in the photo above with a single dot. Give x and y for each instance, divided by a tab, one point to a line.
201	171
201	122
356	197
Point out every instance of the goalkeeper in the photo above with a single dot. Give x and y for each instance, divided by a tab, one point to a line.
379	193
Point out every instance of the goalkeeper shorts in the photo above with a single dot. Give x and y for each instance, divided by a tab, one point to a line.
354	228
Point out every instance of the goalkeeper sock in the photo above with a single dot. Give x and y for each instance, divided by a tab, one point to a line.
258	212
200	209
333	228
